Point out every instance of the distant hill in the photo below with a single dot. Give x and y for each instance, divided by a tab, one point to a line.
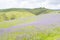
12	9
35	11
13	13
38	11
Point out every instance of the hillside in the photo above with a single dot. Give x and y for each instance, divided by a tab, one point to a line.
45	27
38	11
29	24
35	11
10	15
14	13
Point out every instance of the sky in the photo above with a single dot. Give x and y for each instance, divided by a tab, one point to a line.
50	4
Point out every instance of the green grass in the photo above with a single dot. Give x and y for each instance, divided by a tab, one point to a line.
6	18
10	15
6	24
30	33
26	33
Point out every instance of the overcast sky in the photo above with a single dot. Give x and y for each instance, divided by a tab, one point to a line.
51	4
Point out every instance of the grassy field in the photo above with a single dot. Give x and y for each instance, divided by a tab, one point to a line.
10	15
6	24
12	18
16	25
31	33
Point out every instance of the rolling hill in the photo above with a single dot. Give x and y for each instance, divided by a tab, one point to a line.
29	24
45	27
10	15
